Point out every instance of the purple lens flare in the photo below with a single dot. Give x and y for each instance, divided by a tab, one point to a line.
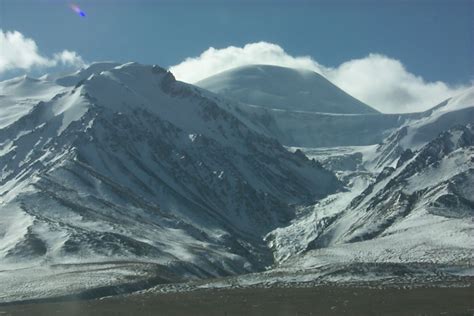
78	10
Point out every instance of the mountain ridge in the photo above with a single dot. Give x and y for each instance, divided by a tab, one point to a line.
130	164
126	174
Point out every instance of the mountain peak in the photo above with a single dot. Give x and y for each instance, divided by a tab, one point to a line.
82	74
129	147
283	88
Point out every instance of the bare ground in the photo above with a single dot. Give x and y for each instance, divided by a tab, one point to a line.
321	300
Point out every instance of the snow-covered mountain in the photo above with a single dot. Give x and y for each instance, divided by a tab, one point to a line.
119	174
282	88
308	126
416	132
19	95
301	108
82	74
312	129
131	165
272	98
418	209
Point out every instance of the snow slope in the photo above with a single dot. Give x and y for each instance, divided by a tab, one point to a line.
420	212
292	106
300	108
131	165
83	74
283	88
416	132
119	177
414	204
314	129
19	95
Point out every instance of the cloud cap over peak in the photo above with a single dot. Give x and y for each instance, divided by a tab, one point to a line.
213	61
380	81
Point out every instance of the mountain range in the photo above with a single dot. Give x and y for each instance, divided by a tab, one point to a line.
119	177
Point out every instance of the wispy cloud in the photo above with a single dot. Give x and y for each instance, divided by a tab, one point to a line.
380	81
20	52
68	58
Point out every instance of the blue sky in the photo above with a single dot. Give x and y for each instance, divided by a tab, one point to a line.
433	39
422	50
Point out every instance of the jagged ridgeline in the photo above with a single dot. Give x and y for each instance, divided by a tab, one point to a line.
122	162
118	177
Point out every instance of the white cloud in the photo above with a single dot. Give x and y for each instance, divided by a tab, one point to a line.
20	52
378	80
69	58
213	60
385	84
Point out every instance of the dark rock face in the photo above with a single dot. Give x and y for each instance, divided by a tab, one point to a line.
30	247
350	162
406	155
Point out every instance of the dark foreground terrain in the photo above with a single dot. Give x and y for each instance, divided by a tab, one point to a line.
323	300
